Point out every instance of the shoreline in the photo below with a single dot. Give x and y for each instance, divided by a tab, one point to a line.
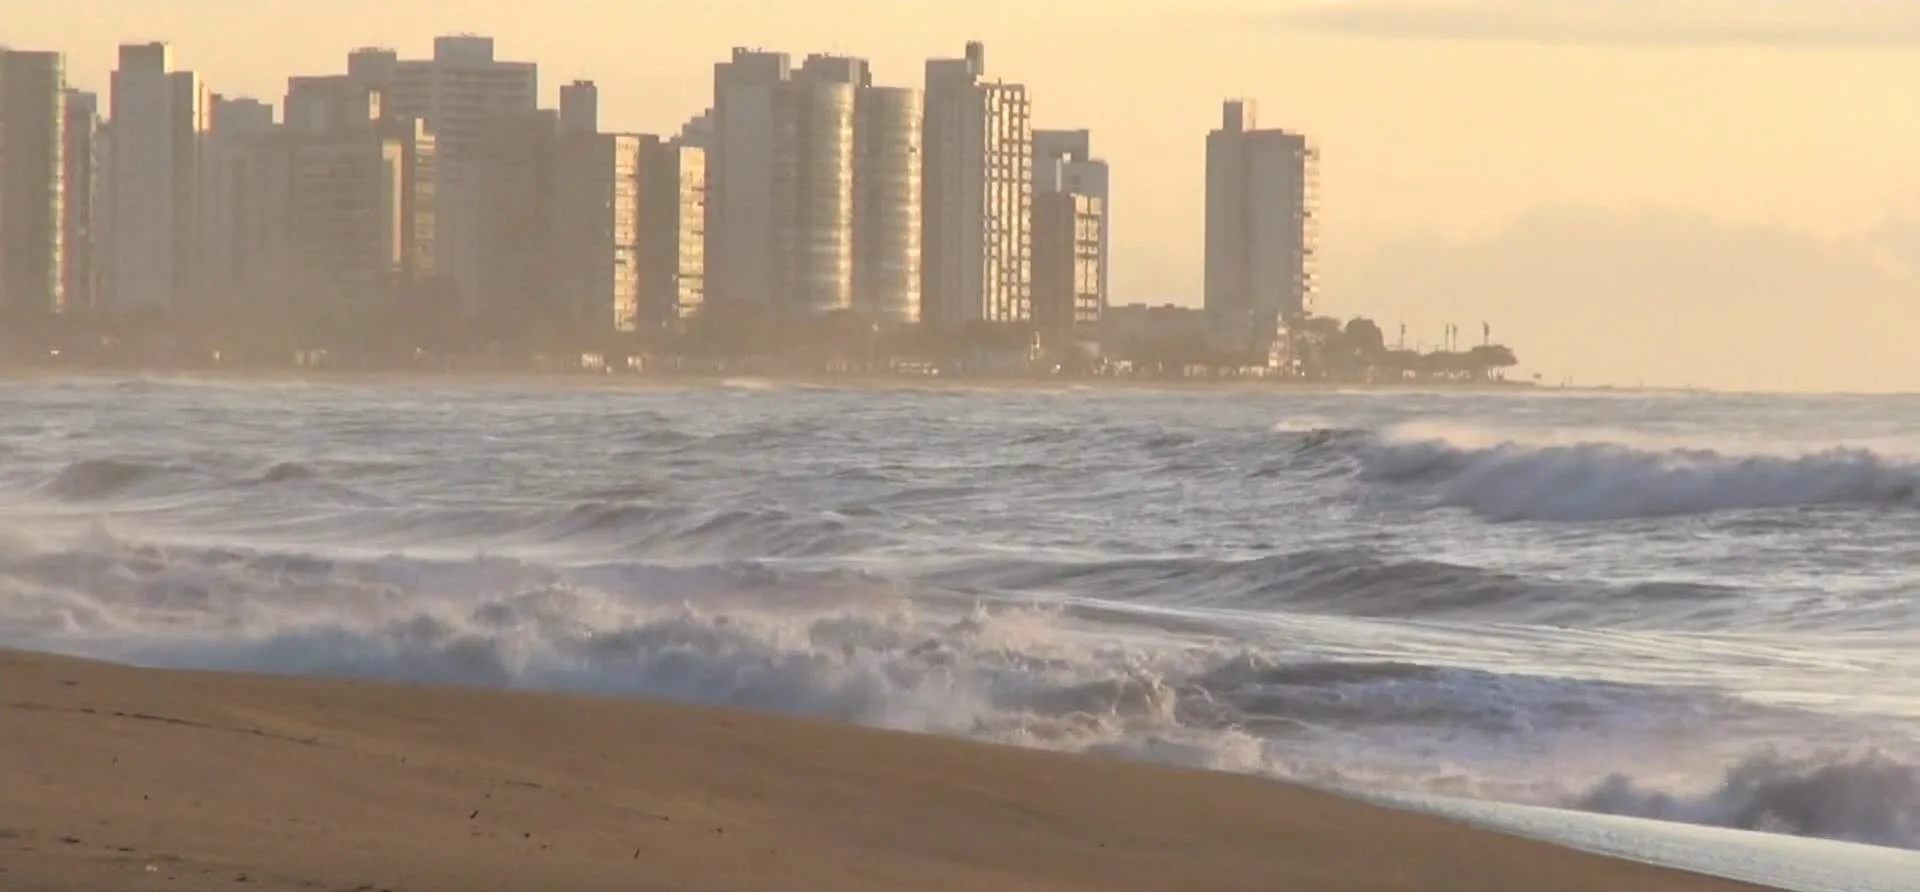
123	778
685	381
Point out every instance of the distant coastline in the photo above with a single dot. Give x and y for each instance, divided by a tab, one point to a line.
623	380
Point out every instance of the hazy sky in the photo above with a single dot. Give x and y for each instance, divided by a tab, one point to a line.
1711	192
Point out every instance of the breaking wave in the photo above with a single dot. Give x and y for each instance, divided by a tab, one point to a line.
889	653
1663	624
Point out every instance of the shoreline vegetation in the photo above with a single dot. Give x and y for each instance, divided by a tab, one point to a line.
1316	350
122	778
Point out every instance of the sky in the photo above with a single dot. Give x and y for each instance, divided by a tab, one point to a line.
1708	193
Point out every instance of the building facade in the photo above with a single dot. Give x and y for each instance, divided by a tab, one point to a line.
160	120
235	125
596	272
347	202
886	205
457	93
1259	230
976	196
1068	234
816	231
515	162
1063	161
82	158
673	242
33	220
750	182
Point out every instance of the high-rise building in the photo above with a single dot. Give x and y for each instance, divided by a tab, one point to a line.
819	221
580	107
1259	230
750	180
781	184
1063	161
977	193
1068	234
349	198
596	221
560	223
515	165
886	204
235	125
32	182
457	93
81	189
160	119
673	242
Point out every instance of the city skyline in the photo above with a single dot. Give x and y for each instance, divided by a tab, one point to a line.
1681	179
937	219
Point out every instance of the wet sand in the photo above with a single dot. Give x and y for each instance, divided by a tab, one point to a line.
121	779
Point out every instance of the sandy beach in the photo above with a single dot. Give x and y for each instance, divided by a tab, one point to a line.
123	779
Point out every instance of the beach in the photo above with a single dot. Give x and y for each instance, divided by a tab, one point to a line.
121	778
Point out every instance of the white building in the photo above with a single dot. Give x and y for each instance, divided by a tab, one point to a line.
1259	230
1063	161
160	120
456	93
977	196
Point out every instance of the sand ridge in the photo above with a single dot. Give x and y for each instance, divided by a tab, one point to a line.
117	778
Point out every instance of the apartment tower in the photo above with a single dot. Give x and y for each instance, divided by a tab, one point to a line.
673	242
351	204
596	206
160	120
886	205
750	181
1259	230
1063	161
977	193
32	182
456	93
80	187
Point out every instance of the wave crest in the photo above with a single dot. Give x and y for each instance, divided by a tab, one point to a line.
1586	482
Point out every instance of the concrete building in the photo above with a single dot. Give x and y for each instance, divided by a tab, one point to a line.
349	200
160	121
560	218
32	182
886	204
82	157
456	92
263	281
580	107
781	184
1069	231
1259	230
977	193
515	165
1063	161
818	225
750	180
235	124
673	243
596	222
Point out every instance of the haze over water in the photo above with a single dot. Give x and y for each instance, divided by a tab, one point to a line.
1689	607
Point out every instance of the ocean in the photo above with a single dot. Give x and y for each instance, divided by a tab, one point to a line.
1677	627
